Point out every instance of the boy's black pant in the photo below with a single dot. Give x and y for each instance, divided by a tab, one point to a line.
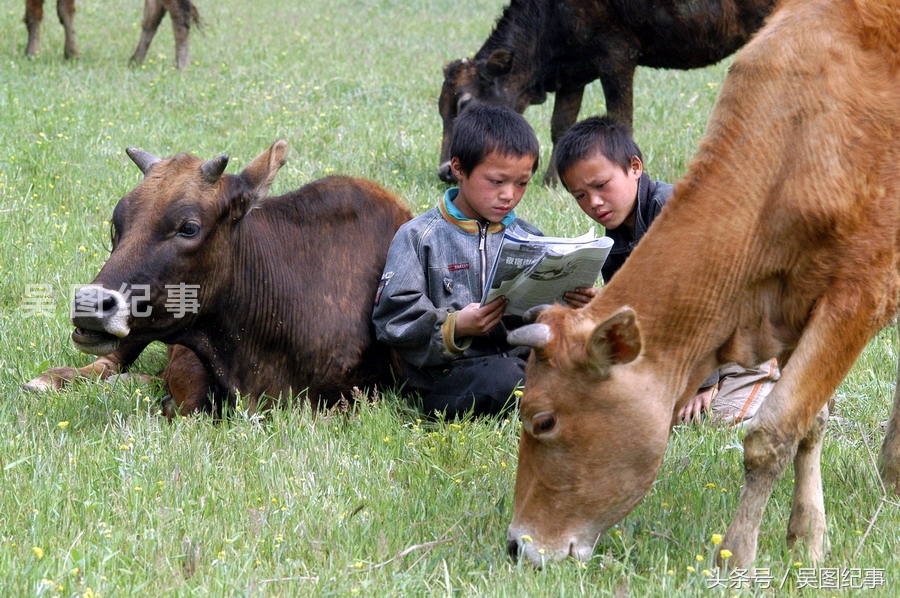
480	386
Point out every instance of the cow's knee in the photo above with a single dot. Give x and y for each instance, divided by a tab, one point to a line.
187	383
766	451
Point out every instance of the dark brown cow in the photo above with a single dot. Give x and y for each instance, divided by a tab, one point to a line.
183	13
545	46
783	240
272	295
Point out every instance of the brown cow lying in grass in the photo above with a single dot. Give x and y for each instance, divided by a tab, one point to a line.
801	159
262	297
183	13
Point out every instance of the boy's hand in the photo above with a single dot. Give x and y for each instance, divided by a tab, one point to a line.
698	406
580	296
474	320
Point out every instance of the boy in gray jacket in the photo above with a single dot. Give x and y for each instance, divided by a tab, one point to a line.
427	307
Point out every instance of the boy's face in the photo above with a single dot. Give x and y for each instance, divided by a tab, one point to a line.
603	190
494	187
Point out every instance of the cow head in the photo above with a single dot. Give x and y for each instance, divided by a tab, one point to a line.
591	441
170	236
486	80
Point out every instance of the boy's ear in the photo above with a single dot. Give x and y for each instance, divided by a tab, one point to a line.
637	167
456	168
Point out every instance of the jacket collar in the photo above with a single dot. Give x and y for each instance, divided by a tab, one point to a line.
623	241
454	216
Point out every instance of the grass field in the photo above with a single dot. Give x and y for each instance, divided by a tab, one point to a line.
99	496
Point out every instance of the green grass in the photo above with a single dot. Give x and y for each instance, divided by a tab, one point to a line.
100	496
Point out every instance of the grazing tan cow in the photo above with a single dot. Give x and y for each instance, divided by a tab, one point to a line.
183	12
788	220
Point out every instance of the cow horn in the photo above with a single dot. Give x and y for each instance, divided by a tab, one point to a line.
531	314
144	160
212	169
536	336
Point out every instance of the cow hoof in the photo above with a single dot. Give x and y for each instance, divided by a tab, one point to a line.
51	380
42	383
168	407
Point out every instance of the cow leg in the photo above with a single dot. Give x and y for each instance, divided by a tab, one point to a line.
102	368
180	13
807	521
65	9
787	426
187	382
889	460
618	92
565	112
34	13
154	12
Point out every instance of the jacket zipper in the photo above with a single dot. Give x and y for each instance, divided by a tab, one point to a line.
482	253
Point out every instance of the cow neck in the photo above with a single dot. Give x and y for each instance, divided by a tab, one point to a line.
516	27
680	330
522	28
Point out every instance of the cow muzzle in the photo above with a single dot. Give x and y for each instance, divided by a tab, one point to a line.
446	174
101	318
522	546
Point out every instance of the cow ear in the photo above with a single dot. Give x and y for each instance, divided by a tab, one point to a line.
260	173
615	341
498	63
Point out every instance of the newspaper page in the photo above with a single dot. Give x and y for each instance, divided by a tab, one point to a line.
535	270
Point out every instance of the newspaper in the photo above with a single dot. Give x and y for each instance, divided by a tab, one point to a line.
534	270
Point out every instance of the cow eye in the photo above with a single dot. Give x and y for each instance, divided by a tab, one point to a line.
543	422
189	229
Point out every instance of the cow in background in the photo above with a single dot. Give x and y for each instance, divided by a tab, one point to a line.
183	13
34	14
273	295
783	240
543	46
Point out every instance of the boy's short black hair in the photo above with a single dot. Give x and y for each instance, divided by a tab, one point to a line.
481	129
596	134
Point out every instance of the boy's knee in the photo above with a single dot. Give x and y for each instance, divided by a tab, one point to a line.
479	387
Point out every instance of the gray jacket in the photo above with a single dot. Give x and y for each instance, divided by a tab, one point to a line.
437	265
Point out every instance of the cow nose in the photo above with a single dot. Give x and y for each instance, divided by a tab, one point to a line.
97	308
512	549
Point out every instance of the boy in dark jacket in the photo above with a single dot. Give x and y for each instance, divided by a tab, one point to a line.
601	166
